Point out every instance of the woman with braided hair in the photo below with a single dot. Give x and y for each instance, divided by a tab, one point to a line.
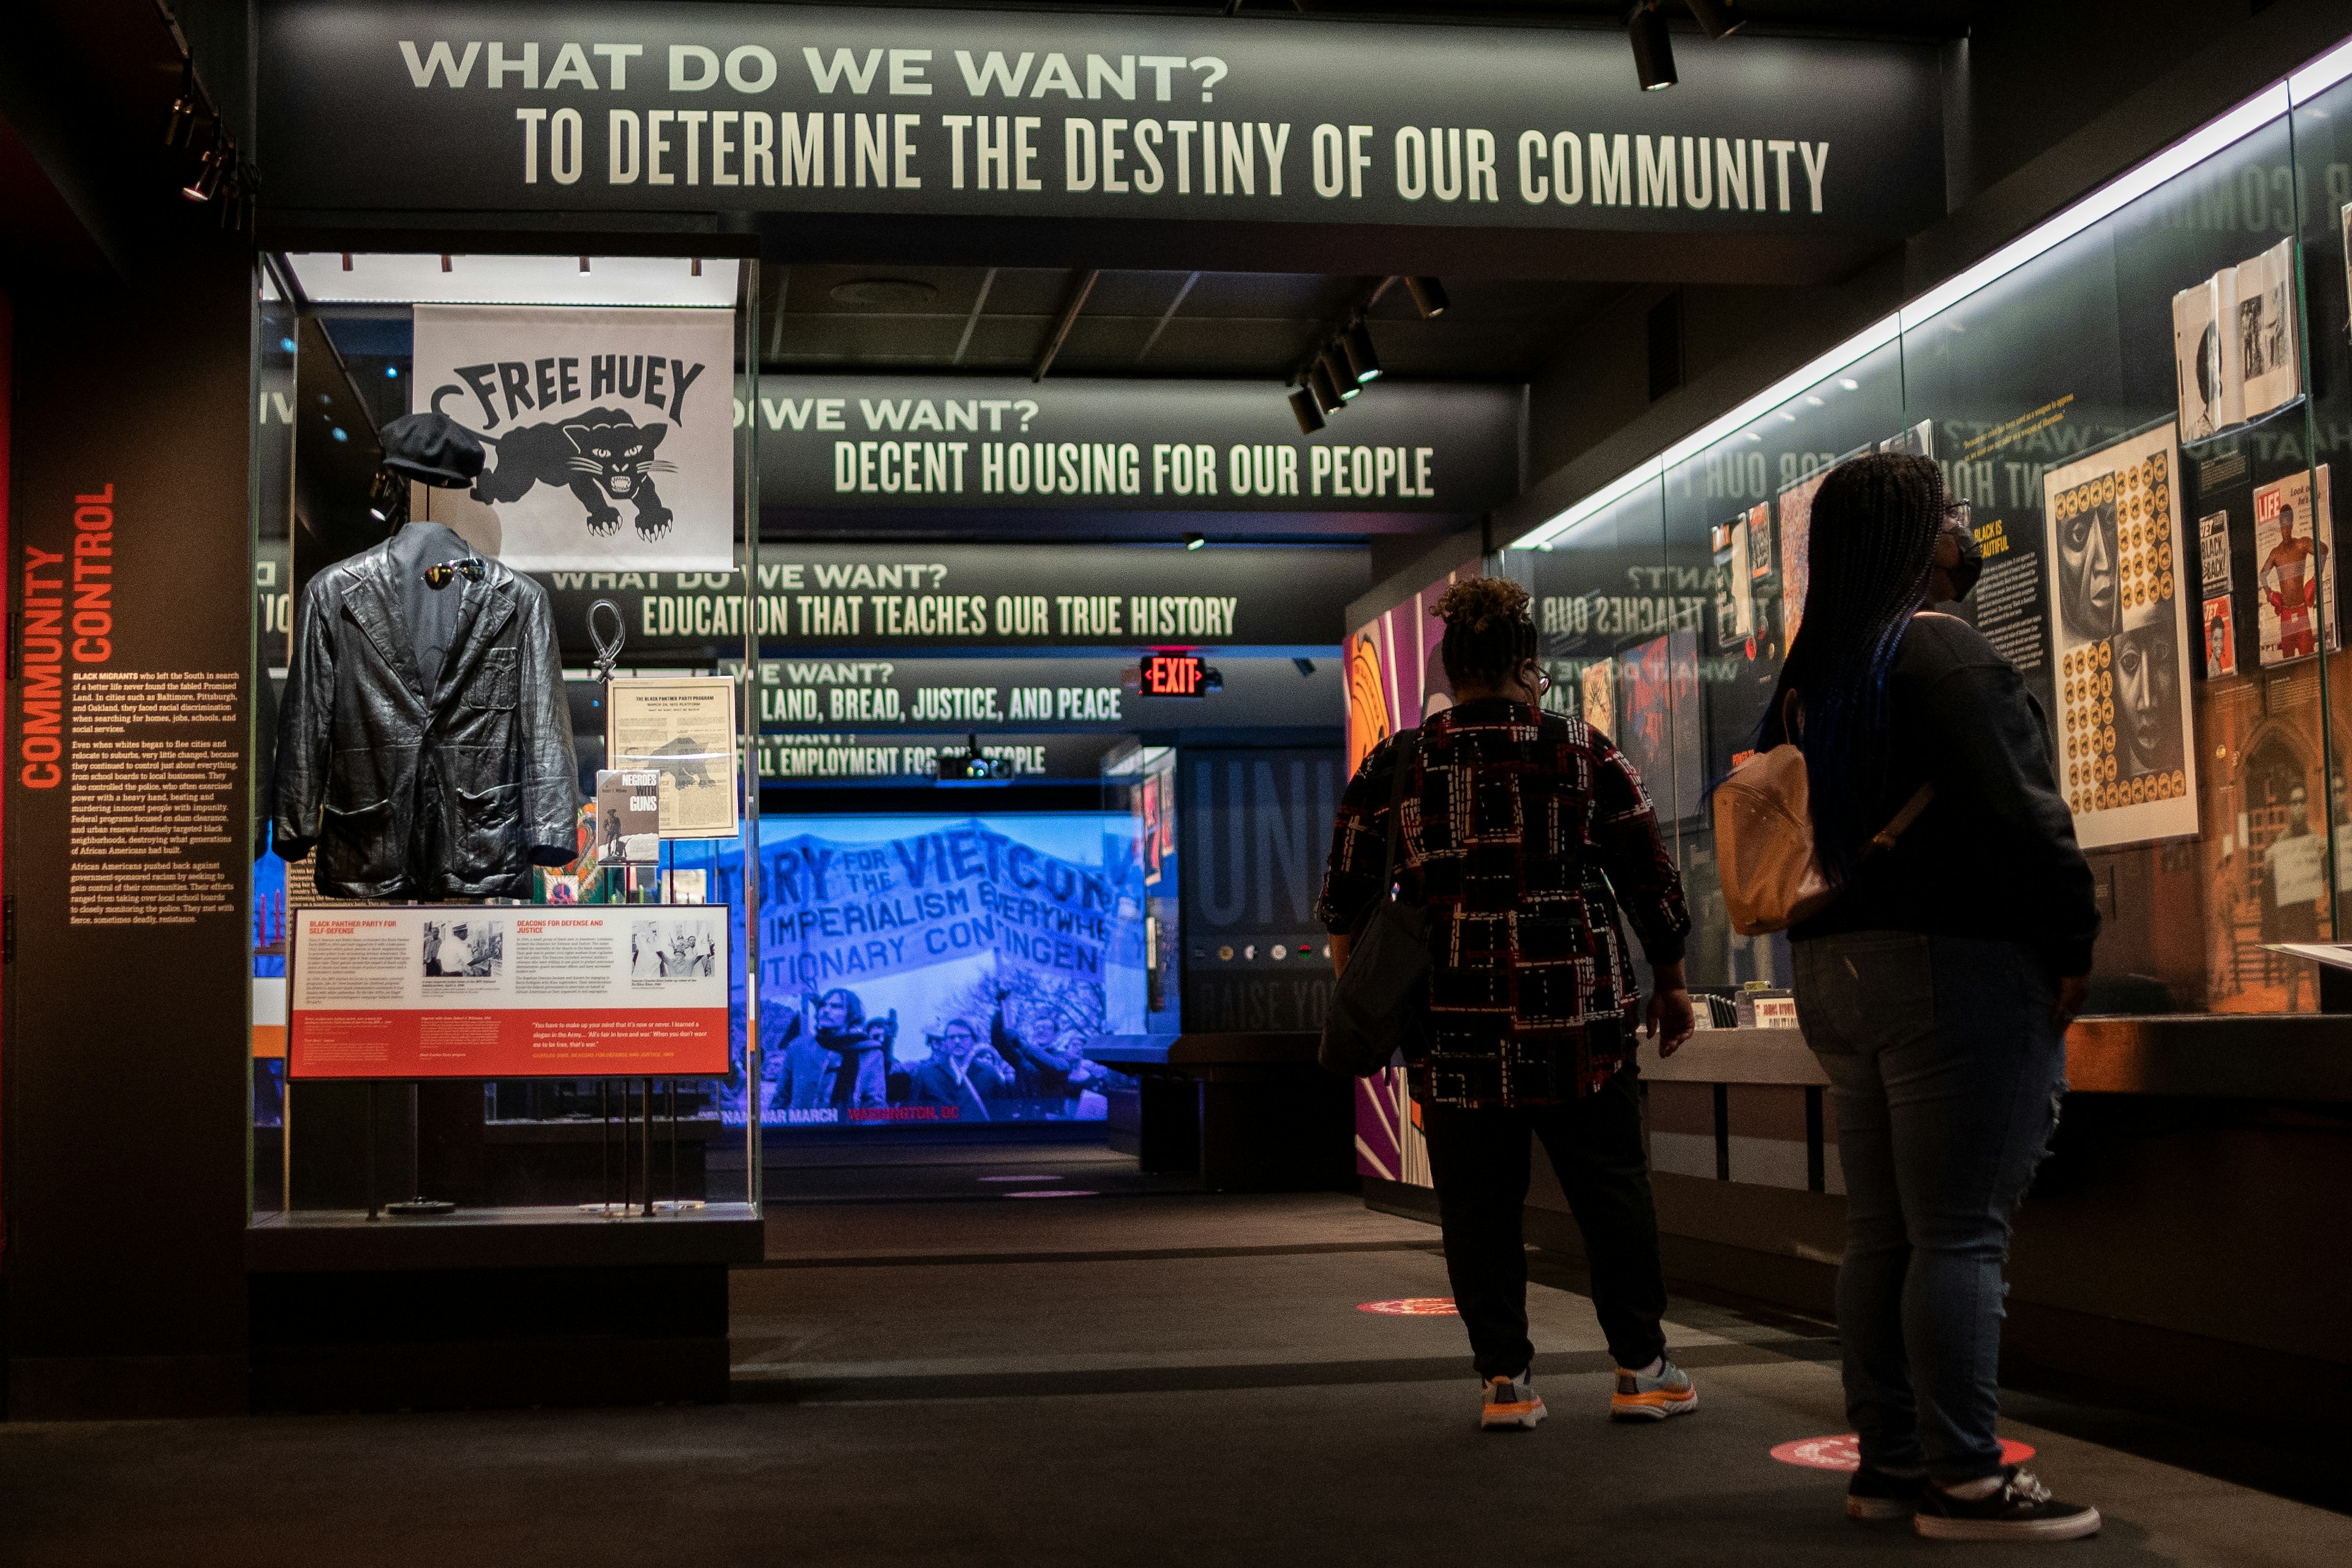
1523	833
1934	990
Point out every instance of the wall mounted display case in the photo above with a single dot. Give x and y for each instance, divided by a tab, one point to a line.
2143	404
523	1053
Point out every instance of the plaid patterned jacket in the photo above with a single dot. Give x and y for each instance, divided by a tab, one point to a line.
1516	831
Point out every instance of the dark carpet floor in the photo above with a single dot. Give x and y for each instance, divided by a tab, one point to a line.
1141	1378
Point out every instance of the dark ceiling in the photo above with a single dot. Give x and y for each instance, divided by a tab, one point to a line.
1906	18
1258	325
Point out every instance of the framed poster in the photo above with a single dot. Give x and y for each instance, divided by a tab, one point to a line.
610	433
2120	637
507	991
2295	575
683	727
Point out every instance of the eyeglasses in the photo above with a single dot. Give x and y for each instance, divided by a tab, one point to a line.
1543	683
441	574
1960	514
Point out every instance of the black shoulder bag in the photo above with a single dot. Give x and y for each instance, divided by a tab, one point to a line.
1380	1005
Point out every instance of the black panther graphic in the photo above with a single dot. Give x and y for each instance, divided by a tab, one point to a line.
689	772
603	455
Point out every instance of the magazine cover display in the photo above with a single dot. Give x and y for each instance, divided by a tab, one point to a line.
2294	576
610	433
2234	351
2120	639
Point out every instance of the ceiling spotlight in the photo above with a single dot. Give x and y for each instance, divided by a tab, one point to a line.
1326	391
1334	363
1362	360
207	181
183	118
1428	296
1194	541
1304	408
1654	52
1716	18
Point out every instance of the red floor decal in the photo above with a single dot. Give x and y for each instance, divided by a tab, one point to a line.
1844	1453
1412	1306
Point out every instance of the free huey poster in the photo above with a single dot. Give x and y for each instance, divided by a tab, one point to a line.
609	433
2120	637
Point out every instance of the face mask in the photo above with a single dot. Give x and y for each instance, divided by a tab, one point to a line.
1970	567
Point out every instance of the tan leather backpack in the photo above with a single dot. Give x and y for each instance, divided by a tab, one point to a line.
1764	837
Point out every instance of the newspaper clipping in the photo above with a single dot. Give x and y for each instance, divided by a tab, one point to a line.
685	730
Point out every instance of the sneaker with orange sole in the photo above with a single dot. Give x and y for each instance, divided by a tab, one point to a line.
1512	1404
1653	1396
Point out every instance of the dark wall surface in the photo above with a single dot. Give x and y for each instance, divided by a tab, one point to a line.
126	1092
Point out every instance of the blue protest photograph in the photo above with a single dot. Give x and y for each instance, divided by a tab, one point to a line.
921	970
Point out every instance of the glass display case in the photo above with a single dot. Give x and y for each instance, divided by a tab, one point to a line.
501	959
2142	411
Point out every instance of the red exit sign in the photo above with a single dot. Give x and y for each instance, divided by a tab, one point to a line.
1175	675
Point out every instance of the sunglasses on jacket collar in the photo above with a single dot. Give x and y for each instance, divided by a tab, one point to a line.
441	574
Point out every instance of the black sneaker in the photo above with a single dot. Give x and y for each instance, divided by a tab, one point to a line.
2020	1508
1874	1494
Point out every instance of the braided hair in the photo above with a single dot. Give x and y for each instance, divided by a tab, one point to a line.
1488	633
1873	547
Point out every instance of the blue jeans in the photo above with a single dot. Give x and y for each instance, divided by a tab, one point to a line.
1948	1066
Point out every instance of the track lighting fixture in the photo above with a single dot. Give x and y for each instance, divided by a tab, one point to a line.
1653	50
1716	18
1304	408
1334	364
1362	363
183	118
1327	392
1428	297
207	181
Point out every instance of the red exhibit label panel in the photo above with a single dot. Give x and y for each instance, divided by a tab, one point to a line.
509	991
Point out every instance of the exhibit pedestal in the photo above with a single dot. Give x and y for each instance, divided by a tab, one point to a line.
1261	1114
504	1308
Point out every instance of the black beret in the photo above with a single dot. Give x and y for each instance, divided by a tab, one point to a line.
431	448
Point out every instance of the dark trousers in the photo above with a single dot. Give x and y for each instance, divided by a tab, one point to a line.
1479	1160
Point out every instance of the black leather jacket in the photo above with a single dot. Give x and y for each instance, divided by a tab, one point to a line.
406	795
